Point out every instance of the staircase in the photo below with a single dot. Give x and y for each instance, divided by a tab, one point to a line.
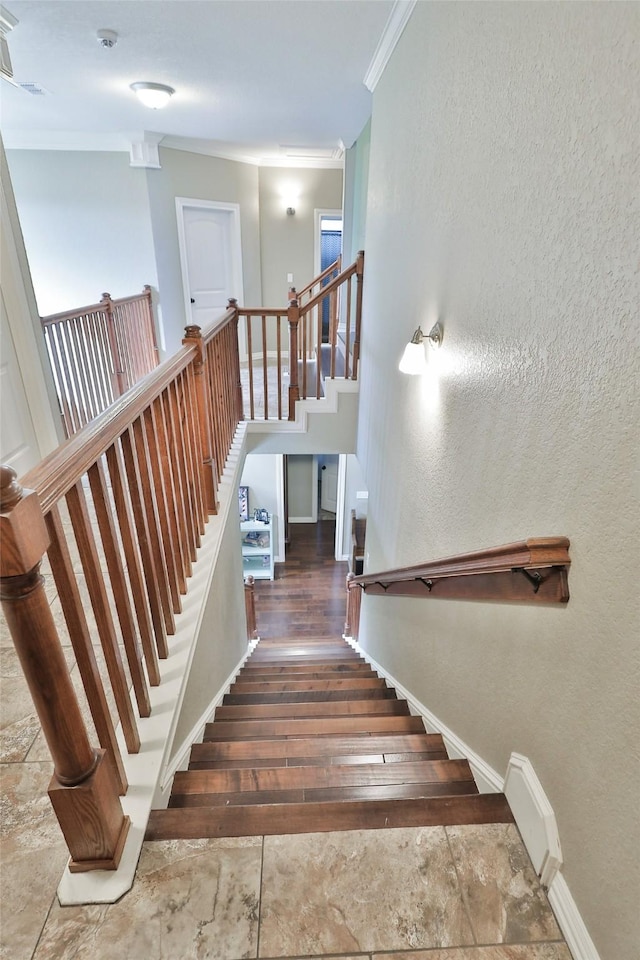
310	739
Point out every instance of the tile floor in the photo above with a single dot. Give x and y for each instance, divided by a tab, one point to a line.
433	893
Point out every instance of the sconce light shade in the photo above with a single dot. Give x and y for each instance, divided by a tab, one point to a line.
414	358
153	95
291	211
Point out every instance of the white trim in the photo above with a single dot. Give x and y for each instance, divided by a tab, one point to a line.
318	214
570	922
303	519
534	816
280	558
402	10
195	735
144	769
236	248
487	779
341	495
327	404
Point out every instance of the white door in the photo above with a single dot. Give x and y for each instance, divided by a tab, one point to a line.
211	258
329	485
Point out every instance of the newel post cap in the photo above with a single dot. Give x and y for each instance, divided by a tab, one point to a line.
23	532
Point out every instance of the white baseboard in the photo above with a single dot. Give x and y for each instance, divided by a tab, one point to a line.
570	922
531	808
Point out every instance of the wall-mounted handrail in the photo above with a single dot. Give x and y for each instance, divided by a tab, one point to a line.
529	571
119	510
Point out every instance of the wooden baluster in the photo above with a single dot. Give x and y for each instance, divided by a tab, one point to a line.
81	641
192	473
82	790
333	330
250	607
354	601
102	610
347	332
252	409
193	336
119	384
192	439
169	475
133	562
216	393
152	430
319	347
356	341
150	319
265	371
293	316
138	494
106	523
233	305
279	363
150	504
178	456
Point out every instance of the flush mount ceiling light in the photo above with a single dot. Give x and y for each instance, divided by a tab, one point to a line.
153	95
414	360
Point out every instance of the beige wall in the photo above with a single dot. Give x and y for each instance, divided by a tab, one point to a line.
287	242
503	200
193	175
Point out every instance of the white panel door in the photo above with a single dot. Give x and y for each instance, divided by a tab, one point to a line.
211	259
329	485
18	443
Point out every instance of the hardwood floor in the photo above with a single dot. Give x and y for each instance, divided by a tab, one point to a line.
309	738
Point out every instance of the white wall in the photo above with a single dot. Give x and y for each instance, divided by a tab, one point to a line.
354	484
85	220
503	200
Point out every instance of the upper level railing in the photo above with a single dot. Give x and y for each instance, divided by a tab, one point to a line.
530	571
117	513
98	352
290	352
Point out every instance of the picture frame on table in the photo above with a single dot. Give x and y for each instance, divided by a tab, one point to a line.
243	502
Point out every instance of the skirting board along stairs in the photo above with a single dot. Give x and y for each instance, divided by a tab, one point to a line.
310	739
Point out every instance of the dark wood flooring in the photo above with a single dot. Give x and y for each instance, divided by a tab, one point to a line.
308	738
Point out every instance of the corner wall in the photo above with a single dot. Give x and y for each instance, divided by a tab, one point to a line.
503	201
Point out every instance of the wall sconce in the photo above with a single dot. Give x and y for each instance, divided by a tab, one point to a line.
414	360
291	211
153	95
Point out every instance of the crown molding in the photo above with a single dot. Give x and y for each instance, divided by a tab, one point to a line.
392	32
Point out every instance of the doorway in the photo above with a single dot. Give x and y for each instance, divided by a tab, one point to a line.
314	492
327	248
210	257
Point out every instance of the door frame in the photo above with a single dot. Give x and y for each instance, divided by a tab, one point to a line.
318	214
236	247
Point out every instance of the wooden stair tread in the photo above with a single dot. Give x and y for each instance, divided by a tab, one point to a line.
321	747
339	668
303	777
301	696
321	727
291	685
324	816
310	708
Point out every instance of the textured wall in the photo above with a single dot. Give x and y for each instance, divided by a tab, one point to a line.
503	200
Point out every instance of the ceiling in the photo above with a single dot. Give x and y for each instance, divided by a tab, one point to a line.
266	81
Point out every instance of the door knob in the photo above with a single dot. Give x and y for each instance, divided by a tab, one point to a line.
192	300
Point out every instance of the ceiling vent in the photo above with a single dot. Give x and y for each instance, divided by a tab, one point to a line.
33	88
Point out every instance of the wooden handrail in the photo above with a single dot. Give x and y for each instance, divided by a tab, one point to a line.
529	571
125	501
329	288
332	268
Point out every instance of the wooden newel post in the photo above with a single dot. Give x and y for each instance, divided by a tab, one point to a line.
147	291
354	600
193	335
232	304
356	341
250	607
118	384
293	316
82	790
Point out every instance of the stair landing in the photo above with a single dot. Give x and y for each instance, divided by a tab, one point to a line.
309	739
